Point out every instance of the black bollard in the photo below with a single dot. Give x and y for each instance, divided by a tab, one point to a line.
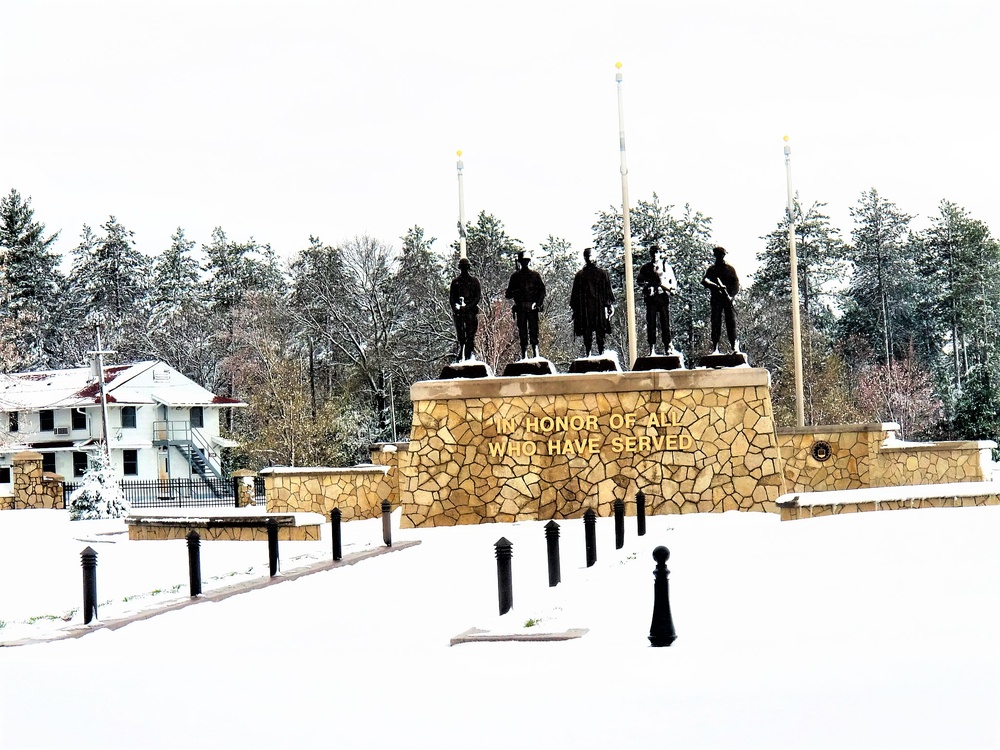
237	481
619	524
552	543
661	631
505	583
272	546
387	523
335	533
88	560
640	513
194	562
590	534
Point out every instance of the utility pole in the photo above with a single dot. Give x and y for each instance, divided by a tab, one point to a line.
98	355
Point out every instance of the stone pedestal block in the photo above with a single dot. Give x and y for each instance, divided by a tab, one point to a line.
504	449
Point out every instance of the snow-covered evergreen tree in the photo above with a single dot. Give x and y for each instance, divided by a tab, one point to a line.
111	279
99	495
29	280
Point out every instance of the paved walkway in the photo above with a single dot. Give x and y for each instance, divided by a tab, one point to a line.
216	595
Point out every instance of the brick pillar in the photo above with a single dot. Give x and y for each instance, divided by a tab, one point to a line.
245	494
34	488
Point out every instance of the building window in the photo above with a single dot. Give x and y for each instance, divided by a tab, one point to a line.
46	421
79	419
130	463
198	416
49	461
4	475
13	422
79	464
128	416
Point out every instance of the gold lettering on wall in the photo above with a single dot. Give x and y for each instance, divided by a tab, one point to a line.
565	435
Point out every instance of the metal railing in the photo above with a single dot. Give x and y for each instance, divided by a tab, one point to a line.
177	493
172	493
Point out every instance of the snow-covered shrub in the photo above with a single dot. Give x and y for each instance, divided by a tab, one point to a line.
99	494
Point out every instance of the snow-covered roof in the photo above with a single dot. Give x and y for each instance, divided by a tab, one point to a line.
150	382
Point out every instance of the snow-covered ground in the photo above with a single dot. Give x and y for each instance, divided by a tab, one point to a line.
863	630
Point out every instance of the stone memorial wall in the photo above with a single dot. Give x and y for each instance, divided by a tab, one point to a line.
504	449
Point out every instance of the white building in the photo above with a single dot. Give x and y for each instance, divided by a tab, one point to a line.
161	424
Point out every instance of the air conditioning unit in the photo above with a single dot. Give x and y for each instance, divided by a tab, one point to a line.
61	430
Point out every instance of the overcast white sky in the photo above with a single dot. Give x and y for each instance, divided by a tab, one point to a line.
281	120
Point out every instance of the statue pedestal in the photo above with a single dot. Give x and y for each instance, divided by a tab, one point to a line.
535	366
469	368
600	363
715	361
511	448
658	362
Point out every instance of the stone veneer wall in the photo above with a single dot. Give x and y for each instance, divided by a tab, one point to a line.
358	491
692	440
387	454
794	512
934	463
34	488
867	455
306	533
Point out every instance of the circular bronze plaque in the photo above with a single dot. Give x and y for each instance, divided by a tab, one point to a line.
821	450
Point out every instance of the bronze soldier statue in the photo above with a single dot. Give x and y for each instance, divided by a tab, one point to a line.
722	281
528	292
465	297
593	304
658	284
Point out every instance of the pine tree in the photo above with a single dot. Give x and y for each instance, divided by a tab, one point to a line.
960	268
424	312
110	281
821	263
99	494
29	284
882	302
180	327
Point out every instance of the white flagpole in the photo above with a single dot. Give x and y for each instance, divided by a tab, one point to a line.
796	327
627	229
461	208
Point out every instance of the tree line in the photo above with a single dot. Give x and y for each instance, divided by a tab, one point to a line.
897	324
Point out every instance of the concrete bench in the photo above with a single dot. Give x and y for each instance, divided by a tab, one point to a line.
228	525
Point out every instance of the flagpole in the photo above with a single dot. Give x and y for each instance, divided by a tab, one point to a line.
796	326
461	207
626	229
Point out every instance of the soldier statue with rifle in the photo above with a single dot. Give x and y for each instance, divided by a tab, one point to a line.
721	280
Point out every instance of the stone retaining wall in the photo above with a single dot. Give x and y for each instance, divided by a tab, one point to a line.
358	491
504	449
868	455
306	533
816	505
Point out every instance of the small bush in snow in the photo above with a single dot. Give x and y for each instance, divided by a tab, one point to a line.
99	495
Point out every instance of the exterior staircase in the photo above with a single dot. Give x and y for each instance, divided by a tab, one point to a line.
193	446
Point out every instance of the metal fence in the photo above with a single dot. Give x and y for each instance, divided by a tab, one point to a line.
177	493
